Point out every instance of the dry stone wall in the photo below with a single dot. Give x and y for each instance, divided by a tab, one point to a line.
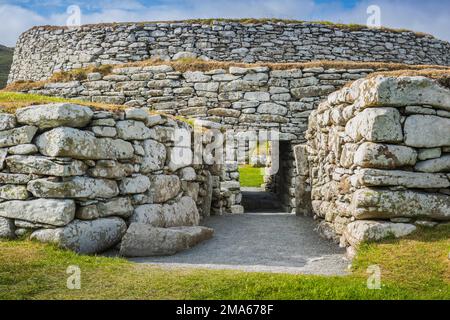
241	99
89	180
379	158
42	51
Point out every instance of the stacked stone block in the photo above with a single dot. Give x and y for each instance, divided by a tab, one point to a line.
87	179
379	158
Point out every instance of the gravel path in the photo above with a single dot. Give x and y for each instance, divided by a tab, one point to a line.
263	242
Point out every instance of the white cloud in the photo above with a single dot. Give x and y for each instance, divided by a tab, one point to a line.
431	17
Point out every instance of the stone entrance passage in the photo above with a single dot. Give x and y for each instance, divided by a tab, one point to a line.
260	200
261	242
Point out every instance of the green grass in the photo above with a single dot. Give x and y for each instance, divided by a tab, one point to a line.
251	176
6	56
416	267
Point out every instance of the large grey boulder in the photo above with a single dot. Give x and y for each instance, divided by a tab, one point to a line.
426	131
132	130
403	91
164	187
7	121
441	164
44	166
13	137
78	187
120	207
7	228
182	213
155	156
385	204
55	115
78	144
110	169
368	231
384	156
143	240
148	214
376	125
407	179
46	211
86	237
136	184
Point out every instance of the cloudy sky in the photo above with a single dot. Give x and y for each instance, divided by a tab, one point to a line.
431	16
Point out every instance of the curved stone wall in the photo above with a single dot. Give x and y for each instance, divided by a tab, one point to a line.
42	51
379	157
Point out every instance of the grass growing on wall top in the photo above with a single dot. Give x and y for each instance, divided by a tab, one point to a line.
11	101
246	21
194	64
416	267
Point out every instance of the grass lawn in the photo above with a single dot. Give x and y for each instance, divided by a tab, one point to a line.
416	267
250	176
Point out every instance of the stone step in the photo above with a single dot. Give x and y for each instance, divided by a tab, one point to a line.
144	240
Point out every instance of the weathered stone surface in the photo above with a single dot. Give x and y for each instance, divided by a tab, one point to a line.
383	204
132	130
13	137
367	231
180	158
188	174
78	187
55	115
74	143
424	131
46	211
432	153
12	178
182	213
143	240
111	169
7	228
407	179
155	156
85	237
7	121
348	154
404	91
441	164
148	214
13	192
44	166
23	149
121	207
3	154
89	212
164	187
135	184
301	159
376	125
384	156
272	108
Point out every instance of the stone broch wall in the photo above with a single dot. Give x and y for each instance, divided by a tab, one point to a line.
42	51
242	99
379	155
91	179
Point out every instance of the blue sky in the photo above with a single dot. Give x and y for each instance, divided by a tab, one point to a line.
430	16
